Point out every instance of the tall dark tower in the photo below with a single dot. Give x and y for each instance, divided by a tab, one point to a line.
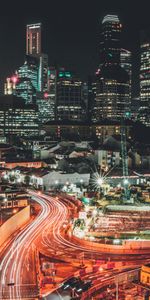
110	40
112	98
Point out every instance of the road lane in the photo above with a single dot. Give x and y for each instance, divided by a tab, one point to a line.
45	234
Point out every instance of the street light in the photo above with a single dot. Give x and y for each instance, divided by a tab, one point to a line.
97	181
100	181
126	181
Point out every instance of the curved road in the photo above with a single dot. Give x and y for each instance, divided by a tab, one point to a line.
19	262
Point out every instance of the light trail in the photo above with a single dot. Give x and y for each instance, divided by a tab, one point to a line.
46	234
12	263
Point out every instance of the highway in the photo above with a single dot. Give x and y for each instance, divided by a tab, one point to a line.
19	263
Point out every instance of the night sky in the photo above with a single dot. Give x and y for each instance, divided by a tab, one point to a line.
70	30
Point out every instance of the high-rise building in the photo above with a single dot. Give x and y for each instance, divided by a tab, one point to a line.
126	60
46	101
112	91
126	64
33	39
110	40
69	104
26	80
52	86
135	106
34	48
29	70
17	118
91	96
43	73
145	78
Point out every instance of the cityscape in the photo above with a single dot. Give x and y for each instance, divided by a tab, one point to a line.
75	152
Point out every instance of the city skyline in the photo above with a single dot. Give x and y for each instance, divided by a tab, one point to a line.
68	40
75	150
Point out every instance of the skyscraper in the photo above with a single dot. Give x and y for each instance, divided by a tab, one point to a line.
144	113
18	118
126	60
43	73
33	39
112	98
110	40
27	80
47	101
69	104
52	85
126	64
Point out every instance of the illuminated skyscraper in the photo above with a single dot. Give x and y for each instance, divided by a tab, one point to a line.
144	113
18	118
69	103
43	73
126	60
27	82
52	84
112	91
47	101
126	63
33	39
110	40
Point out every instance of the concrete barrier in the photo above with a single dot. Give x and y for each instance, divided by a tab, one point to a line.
14	223
129	247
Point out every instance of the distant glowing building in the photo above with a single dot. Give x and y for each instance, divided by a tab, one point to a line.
34	48
10	85
33	39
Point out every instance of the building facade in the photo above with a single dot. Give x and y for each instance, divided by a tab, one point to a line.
144	112
69	104
126	64
17	118
145	275
43	73
24	83
52	88
83	131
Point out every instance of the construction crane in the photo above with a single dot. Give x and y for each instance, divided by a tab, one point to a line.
126	197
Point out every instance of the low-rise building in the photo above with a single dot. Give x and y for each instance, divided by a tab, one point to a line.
145	275
54	179
14	199
69	130
22	163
